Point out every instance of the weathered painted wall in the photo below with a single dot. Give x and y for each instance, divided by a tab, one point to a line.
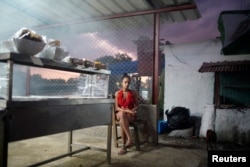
233	125
184	85
188	88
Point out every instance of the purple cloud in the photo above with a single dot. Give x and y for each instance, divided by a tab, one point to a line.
204	28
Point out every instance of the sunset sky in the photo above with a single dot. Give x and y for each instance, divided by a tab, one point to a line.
206	27
92	45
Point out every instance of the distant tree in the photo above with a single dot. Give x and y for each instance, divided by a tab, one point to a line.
105	59
119	57
44	86
72	81
37	78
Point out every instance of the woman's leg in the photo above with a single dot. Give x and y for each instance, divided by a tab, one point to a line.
124	137
124	123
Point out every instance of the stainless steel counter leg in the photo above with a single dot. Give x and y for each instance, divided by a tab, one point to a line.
10	81
3	139
109	143
70	140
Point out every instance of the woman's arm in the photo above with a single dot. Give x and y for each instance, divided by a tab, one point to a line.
119	109
136	101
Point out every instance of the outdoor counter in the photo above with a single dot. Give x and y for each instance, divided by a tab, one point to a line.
26	112
29	118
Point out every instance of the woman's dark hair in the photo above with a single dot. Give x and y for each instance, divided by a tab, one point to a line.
125	75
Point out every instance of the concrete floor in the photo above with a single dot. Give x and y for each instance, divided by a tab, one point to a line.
169	152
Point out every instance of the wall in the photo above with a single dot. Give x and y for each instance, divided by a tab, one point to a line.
184	85
148	112
233	125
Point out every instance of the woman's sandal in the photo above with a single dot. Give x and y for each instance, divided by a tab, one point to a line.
122	151
129	144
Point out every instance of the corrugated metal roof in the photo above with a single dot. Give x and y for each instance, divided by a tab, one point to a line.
226	66
40	14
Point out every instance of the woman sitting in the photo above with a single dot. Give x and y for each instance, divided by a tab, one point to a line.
126	105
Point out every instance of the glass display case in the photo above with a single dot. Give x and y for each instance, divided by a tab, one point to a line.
32	80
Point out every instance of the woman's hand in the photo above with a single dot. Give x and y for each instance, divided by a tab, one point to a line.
133	114
129	112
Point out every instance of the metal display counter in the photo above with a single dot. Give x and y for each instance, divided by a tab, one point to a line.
31	116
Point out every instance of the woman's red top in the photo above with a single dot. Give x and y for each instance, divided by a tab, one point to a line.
128	102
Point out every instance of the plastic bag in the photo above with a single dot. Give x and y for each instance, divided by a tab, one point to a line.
178	118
